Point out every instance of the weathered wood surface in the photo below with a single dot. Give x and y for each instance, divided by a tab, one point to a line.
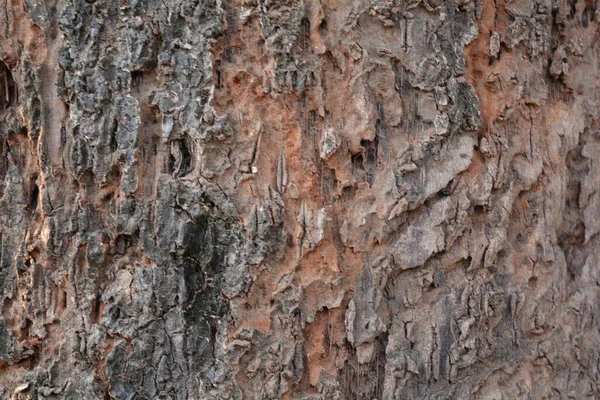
300	199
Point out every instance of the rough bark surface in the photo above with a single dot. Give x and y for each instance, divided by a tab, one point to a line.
300	199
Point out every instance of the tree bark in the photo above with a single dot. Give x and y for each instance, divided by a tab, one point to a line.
300	199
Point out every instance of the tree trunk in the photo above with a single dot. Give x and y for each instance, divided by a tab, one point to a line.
300	199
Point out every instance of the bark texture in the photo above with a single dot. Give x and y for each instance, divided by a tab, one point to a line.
300	199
